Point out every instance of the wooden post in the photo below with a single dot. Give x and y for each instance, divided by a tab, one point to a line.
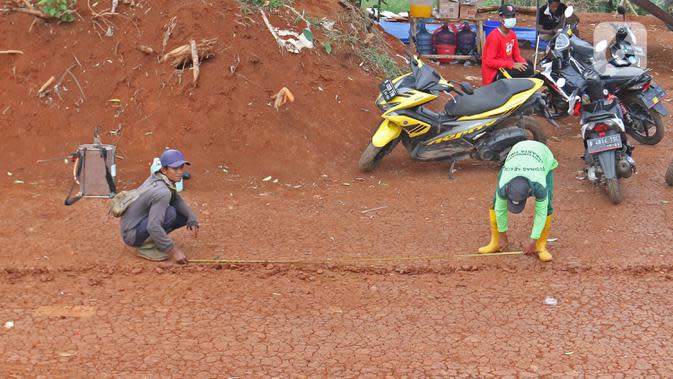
412	35
482	38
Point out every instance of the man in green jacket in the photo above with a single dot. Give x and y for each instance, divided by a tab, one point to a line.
527	172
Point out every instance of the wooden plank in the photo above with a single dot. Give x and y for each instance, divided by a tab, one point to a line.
440	56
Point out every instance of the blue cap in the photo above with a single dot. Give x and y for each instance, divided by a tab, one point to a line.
172	158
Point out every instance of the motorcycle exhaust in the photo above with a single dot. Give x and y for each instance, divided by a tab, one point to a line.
624	169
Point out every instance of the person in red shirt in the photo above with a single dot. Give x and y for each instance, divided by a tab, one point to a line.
501	51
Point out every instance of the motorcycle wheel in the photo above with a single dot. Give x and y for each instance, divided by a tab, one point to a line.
372	155
669	175
650	119
614	192
533	129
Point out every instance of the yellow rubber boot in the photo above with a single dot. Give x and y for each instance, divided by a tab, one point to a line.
494	245
541	246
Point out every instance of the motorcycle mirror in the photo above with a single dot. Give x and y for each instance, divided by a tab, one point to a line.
467	88
601	46
569	11
621	10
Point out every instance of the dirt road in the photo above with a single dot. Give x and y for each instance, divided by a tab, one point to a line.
82	305
335	324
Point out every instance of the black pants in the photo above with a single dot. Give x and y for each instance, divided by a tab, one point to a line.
513	73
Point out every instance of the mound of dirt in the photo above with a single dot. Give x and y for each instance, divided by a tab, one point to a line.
144	106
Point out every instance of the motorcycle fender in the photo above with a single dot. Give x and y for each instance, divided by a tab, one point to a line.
386	132
608	162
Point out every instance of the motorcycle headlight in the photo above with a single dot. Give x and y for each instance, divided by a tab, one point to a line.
562	42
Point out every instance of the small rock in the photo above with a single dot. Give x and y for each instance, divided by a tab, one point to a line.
9	324
136	270
159	270
48	277
267	179
320	271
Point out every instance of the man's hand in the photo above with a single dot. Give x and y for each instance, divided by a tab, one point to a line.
520	66
530	249
504	241
195	230
179	256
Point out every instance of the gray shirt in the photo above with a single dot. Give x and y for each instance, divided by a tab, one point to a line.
152	204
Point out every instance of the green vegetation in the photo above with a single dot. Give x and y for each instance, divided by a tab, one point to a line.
391	5
61	10
271	4
380	61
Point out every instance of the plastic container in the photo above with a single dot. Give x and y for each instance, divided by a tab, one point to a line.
423	40
420	8
444	41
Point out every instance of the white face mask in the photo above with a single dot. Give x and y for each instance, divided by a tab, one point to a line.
510	22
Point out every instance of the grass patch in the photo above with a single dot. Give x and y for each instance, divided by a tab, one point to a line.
380	61
396	6
271	4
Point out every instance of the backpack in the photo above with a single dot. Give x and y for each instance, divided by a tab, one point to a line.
121	201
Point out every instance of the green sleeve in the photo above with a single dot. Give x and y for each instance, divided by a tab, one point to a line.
540	218
501	214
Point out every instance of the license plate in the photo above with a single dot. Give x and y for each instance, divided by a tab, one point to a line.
596	145
653	95
388	90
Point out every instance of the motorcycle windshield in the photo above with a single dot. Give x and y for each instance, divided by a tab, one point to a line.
427	79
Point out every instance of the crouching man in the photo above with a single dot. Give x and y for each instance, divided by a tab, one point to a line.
158	211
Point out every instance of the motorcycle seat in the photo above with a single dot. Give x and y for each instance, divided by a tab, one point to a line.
613	76
582	47
488	97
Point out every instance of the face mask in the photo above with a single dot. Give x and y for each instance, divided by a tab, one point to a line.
510	22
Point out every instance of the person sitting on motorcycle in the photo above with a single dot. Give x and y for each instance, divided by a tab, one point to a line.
502	57
549	19
528	171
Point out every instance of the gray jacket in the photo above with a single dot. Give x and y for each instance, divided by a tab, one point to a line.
153	204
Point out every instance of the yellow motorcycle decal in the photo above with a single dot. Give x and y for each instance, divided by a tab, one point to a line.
460	134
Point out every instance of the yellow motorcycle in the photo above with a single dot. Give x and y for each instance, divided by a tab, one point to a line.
482	123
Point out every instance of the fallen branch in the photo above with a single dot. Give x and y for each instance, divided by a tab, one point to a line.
10	52
234	66
167	33
76	82
42	91
182	55
275	35
373	209
195	60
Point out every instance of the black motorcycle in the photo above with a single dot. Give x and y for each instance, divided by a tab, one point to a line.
638	95
607	153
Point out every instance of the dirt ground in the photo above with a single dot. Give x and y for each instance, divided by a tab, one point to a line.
83	305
